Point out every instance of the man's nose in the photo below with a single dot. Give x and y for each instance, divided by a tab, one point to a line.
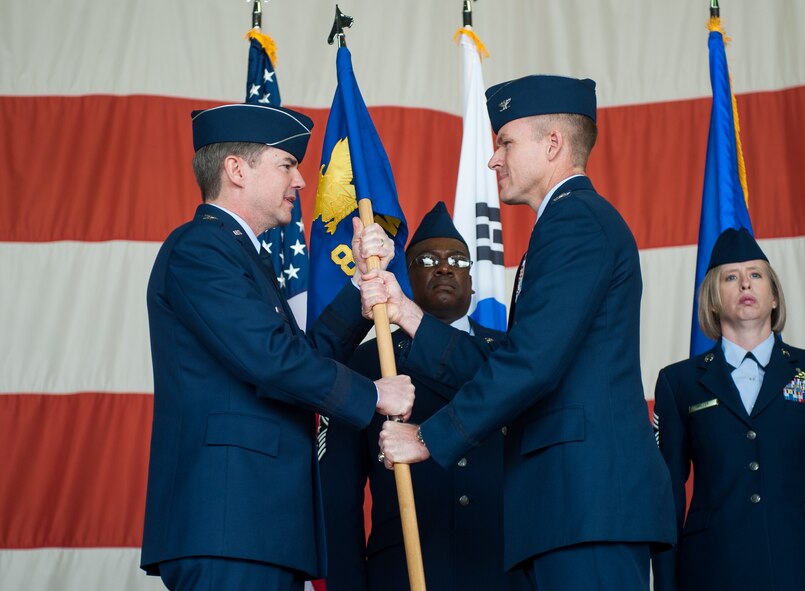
495	161
299	182
443	267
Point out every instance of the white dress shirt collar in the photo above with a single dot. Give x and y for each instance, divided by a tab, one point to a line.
734	354
544	203
463	323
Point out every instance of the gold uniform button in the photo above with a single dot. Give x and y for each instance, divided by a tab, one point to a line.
755	498
754	466
462	463
463	500
751	434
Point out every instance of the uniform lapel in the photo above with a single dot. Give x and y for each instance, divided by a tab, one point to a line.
268	266
214	214
715	377
780	371
518	284
579	183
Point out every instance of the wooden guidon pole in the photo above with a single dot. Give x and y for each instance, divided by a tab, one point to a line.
402	472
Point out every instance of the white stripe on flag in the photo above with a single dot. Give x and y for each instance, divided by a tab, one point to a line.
476	211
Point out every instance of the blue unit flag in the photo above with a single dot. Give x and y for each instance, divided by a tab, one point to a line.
354	166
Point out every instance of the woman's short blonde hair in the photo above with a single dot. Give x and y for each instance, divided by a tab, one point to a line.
710	303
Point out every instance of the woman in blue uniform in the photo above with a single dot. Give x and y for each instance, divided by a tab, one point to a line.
737	414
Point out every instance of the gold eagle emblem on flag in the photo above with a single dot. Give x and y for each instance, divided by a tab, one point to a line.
335	194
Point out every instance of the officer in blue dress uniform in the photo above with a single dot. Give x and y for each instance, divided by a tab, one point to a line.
233	497
459	508
737	413
586	492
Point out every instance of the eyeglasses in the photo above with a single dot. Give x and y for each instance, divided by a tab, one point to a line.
429	260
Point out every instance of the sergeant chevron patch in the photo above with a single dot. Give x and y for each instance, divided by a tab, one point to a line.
656	424
321	436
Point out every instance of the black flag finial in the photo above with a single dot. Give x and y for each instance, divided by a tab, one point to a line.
467	13
257	14
714	11
341	22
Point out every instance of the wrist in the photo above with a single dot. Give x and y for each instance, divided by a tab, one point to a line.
410	318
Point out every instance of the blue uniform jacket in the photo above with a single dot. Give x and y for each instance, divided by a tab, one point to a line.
459	509
581	464
745	530
233	471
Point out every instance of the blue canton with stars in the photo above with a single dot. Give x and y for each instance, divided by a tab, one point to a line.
286	245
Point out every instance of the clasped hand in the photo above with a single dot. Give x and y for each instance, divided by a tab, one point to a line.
381	287
368	242
396	396
399	445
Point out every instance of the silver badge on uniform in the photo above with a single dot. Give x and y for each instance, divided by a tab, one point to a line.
504	104
702	405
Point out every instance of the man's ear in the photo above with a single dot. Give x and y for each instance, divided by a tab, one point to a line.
233	169
555	143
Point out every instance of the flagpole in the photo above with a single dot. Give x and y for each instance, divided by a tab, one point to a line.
402	472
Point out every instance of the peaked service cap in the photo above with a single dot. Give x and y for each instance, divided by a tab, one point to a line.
539	94
245	122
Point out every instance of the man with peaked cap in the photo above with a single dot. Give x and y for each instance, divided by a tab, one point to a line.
233	494
736	414
459	507
586	492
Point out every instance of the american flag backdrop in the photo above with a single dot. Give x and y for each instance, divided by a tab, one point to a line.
95	152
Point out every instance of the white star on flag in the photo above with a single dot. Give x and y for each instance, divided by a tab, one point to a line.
267	246
268	76
264	99
298	248
292	272
281	280
254	90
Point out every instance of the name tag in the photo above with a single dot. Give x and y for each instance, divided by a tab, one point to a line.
702	405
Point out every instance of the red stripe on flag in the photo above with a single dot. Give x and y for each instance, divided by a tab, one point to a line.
74	469
120	166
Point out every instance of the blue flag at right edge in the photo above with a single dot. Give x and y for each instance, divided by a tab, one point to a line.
724	198
354	165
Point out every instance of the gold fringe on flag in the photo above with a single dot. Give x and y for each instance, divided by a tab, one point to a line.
714	25
266	42
482	51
